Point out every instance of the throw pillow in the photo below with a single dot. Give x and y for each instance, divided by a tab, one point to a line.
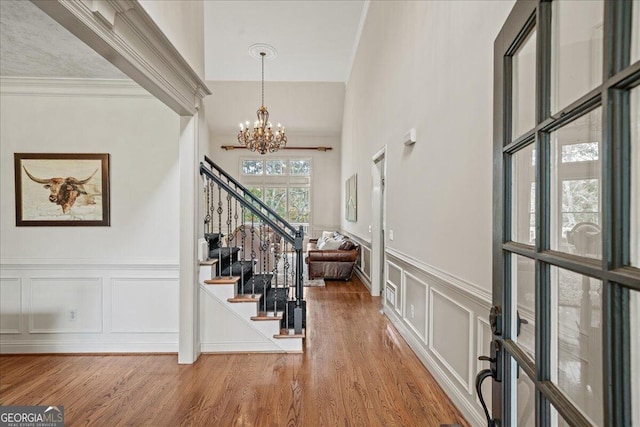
331	244
347	245
327	234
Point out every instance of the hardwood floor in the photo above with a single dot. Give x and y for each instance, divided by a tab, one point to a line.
356	371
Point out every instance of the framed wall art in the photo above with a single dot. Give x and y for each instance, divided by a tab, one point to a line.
351	198
57	189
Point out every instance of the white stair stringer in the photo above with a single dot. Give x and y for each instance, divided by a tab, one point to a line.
227	327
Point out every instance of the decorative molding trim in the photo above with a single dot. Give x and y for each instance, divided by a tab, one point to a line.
427	300
468	384
97	283
467	289
18	330
35	347
137	46
114	282
102	88
398	304
88	264
460	400
364	279
361	240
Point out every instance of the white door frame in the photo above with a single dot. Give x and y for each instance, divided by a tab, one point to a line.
378	172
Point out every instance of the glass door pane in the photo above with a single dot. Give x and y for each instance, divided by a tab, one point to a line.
635	175
524	87
635	32
526	401
578	340
576	50
523	196
575	186
523	288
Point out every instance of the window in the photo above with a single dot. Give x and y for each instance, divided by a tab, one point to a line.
283	184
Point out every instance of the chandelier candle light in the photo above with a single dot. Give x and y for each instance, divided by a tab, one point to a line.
261	138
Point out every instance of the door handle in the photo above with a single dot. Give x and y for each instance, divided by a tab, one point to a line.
492	372
483	375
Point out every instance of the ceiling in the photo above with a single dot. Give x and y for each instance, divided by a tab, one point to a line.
315	40
34	45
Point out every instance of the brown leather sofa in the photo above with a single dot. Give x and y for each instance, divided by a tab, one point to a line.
332	263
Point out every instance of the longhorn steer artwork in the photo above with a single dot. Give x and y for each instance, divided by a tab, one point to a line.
64	191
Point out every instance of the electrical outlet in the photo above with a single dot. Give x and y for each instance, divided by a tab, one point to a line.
413	311
73	315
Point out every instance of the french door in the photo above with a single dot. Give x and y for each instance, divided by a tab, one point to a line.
566	245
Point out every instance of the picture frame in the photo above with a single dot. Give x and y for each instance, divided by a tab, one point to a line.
351	198
62	189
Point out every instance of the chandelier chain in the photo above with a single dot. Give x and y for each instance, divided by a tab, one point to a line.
262	55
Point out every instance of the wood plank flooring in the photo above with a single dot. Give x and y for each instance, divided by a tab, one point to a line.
356	371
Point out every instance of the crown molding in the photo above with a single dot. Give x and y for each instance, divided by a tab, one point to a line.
124	34
36	86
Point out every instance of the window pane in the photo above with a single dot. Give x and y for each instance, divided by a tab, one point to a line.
256	191
252	167
576	49
524	285
523	197
577	352
575	188
276	199
299	205
276	167
583	152
634	308
635	174
524	87
300	167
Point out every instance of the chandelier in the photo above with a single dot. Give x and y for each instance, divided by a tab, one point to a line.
262	138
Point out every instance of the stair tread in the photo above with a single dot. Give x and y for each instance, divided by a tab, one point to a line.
222	280
209	261
286	333
245	298
270	315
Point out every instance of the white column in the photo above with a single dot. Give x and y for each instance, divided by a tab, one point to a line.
189	334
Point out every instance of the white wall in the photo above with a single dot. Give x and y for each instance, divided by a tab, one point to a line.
182	22
415	67
121	280
429	66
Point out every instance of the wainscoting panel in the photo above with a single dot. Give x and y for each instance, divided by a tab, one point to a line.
448	328
80	307
394	281
131	311
450	331
416	305
65	304
10	305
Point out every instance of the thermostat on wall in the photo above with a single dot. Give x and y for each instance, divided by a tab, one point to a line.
410	137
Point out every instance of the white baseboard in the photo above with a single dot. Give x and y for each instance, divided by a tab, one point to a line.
84	347
240	347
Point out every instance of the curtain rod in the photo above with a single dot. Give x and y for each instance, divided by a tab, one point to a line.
242	147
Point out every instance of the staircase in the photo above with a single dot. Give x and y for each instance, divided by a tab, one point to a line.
254	261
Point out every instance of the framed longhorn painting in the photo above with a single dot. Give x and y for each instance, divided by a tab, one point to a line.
56	189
